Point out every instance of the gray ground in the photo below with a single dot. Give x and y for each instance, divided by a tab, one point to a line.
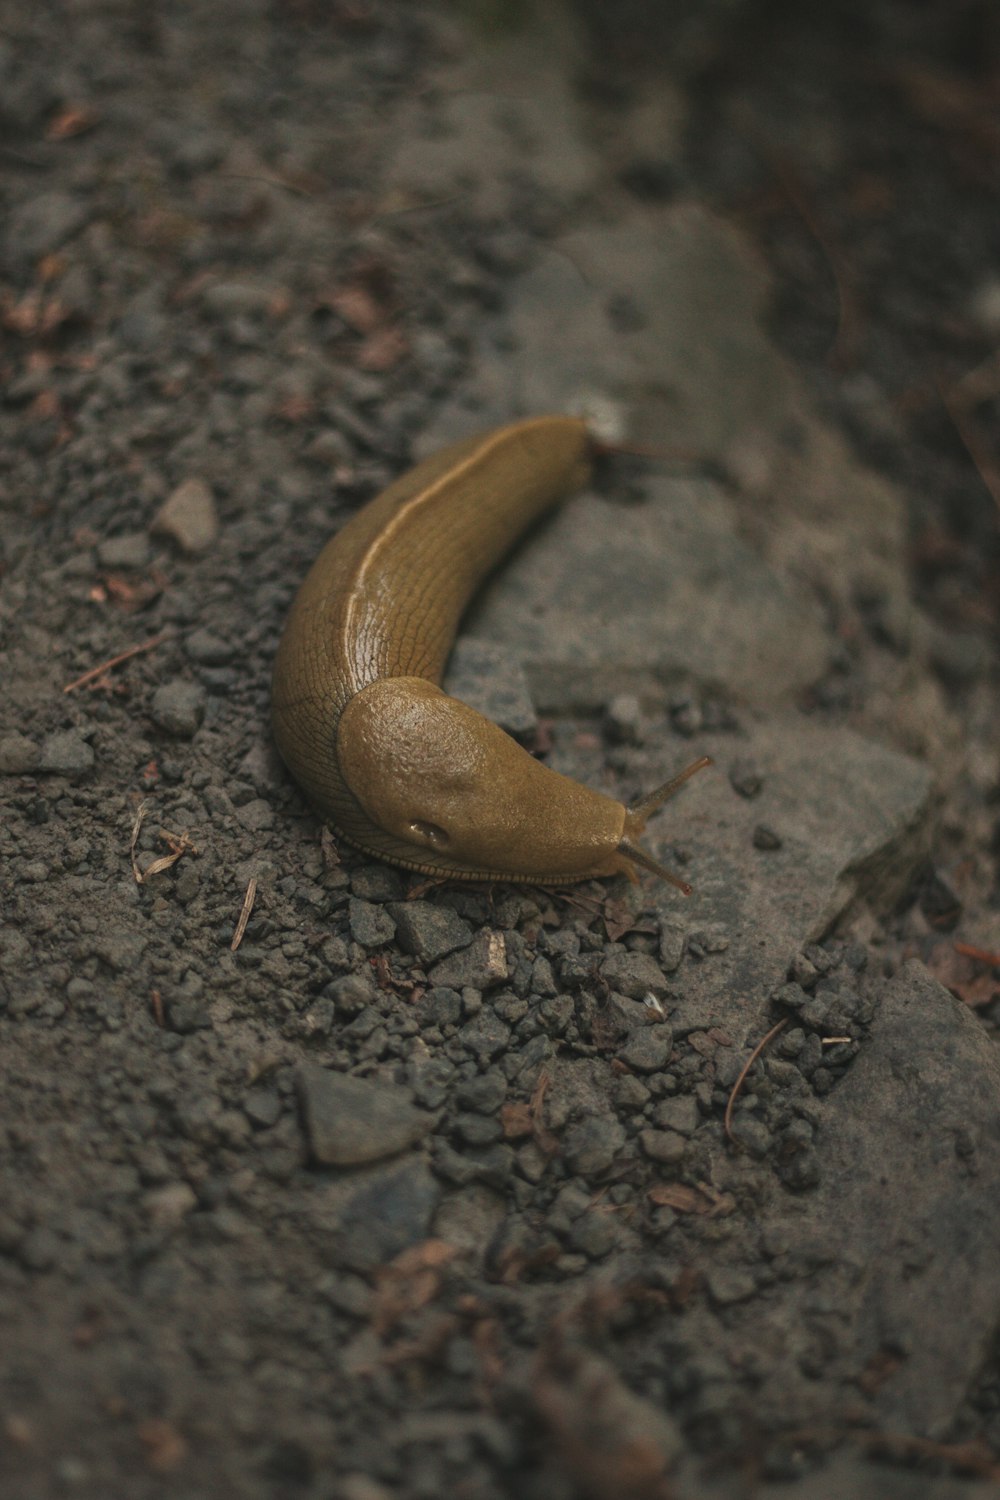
425	1194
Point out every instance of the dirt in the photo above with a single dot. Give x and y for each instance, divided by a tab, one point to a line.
317	1183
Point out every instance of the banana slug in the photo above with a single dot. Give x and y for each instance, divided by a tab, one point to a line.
400	769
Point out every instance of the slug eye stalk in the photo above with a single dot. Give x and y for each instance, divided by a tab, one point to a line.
638	814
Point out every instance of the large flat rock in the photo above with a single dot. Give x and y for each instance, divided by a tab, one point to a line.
853	820
905	1221
610	598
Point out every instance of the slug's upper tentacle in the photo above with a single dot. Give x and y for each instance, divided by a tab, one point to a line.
399	768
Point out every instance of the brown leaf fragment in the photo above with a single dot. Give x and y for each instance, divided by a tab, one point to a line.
382	350
611	1442
618	920
164	1445
702	1199
72	120
359	309
960	968
516	1119
409	1282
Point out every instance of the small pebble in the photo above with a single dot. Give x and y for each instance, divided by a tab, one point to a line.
647	1049
350	1121
18	755
178	707
189	516
66	754
128	551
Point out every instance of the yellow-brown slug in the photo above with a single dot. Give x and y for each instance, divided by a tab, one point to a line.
399	768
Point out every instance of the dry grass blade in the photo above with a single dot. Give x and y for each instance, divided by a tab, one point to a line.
178	843
247	908
137	822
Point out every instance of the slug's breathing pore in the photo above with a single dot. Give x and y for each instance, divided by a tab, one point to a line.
402	770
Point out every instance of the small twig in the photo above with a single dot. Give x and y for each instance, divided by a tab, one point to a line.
115	661
727	1122
247	908
981	955
156	1006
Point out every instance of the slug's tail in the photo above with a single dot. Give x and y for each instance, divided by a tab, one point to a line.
641	811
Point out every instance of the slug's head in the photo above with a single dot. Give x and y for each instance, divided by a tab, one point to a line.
445	790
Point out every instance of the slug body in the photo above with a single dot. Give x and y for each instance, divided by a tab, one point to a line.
400	769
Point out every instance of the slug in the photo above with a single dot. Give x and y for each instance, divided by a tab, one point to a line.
400	769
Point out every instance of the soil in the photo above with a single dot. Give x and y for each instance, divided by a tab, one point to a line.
317	1182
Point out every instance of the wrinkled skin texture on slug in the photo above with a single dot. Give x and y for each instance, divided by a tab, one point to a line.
400	769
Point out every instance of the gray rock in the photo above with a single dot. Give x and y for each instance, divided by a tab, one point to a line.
186	1015
905	1221
189	516
392	1210
680	1114
750	1133
591	1146
66	754
856	820
647	1049
485	1036
128	551
207	649
728	1284
594	607
672	941
370	925
427	930
350	1121
262	1106
634	975
484	1093
351	993
594	1234
476	1130
911	1157
256	815
663	1146
178	707
481	966
18	755
376	883
439	1007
